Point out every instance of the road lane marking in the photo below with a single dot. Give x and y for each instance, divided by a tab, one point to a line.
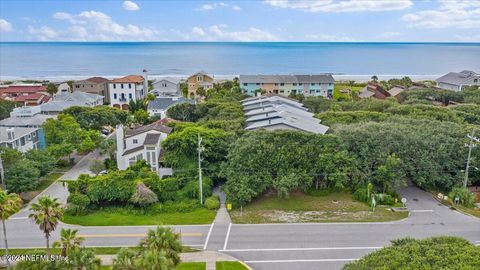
208	236
297	261
123	235
422	211
227	236
298	249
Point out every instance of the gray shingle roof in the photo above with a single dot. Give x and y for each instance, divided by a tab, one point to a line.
163	103
18	131
151	138
30	121
456	78
154	126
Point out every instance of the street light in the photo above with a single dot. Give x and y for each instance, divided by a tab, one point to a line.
470	146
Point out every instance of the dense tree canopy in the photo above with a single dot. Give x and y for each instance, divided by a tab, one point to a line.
6	107
433	253
283	161
97	117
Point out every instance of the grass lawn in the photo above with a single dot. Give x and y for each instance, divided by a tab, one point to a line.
117	216
45	182
338	206
192	266
230	266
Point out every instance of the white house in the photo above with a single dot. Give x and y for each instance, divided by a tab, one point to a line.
64	88
160	105
142	143
122	90
166	87
457	81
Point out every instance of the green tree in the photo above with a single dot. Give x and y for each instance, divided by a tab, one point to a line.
141	116
96	166
68	241
444	252
6	107
389	175
82	259
22	176
10	203
125	260
163	239
42	160
46	213
52	89
375	78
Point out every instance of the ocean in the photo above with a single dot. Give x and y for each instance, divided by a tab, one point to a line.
48	60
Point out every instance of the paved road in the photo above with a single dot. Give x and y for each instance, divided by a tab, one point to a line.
58	189
285	246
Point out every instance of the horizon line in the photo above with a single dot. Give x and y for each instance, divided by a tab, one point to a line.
336	42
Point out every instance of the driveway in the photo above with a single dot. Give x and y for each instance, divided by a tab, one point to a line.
59	189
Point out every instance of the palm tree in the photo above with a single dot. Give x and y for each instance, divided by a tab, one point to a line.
163	240
9	204
46	213
68	241
82	259
125	259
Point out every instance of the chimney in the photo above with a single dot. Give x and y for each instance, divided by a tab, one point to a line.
10	133
120	147
145	82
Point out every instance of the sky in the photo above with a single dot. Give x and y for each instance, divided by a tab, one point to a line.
262	20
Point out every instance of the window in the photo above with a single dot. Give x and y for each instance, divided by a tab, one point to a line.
199	78
313	84
130	96
114	96
294	84
129	86
114	86
475	80
282	84
257	83
135	141
131	161
276	84
245	84
121	85
300	84
77	86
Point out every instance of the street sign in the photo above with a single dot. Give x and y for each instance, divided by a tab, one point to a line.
404	201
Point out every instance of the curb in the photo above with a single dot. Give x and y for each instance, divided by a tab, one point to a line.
245	265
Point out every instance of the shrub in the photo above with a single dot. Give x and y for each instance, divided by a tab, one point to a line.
212	203
432	253
75	210
143	196
178	206
78	199
361	195
467	198
384	199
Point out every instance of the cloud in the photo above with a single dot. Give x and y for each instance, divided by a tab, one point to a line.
129	5
5	26
43	33
468	38
450	13
221	33
341	6
207	7
390	34
329	38
92	26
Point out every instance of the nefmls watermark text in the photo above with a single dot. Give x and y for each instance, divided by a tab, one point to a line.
32	257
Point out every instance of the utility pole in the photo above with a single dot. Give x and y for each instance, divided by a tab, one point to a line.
200	149
2	174
470	146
